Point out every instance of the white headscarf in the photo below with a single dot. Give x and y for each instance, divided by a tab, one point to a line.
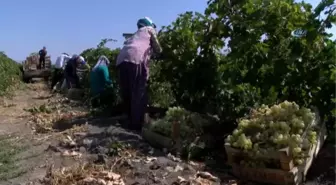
103	60
81	59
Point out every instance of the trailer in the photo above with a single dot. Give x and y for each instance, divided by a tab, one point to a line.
30	68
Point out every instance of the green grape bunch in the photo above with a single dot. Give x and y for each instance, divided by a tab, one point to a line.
269	129
191	124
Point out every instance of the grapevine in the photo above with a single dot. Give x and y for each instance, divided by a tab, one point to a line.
191	124
272	128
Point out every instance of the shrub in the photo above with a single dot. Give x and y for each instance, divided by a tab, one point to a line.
9	73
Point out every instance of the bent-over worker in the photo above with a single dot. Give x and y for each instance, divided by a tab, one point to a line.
70	71
133	67
100	81
58	75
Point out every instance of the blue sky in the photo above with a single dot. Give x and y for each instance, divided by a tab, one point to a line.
74	25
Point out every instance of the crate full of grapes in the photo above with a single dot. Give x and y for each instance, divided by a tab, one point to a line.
275	144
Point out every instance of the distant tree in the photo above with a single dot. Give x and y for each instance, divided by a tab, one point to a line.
2	53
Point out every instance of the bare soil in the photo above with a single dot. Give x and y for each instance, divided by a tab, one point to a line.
43	143
37	146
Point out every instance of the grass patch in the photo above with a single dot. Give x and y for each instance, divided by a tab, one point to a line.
9	151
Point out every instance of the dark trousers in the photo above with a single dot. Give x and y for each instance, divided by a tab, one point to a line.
132	79
72	80
57	77
42	63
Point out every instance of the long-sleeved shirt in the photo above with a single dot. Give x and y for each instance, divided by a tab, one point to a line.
42	53
70	71
99	79
139	47
61	61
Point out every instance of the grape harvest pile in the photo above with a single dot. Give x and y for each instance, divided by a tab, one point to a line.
269	129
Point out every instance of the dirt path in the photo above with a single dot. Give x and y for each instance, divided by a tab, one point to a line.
17	134
24	154
33	138
40	132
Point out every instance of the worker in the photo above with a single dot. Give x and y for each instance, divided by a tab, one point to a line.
100	81
42	54
70	71
132	64
59	68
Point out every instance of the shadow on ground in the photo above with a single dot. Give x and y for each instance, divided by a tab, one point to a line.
42	97
106	136
106	139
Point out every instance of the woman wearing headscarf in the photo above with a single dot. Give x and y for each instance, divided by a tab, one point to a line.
70	71
100	80
133	67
